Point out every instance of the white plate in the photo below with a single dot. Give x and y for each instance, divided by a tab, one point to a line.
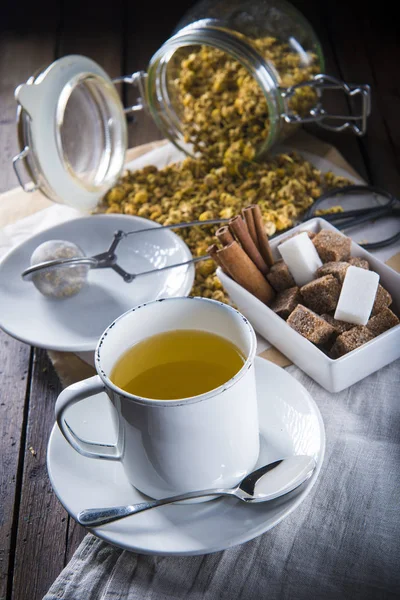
333	375
290	423
76	323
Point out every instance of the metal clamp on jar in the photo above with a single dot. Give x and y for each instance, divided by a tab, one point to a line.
233	80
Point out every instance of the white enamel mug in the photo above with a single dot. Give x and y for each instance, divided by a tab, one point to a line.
173	446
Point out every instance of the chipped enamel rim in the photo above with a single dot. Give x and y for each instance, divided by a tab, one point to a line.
181	401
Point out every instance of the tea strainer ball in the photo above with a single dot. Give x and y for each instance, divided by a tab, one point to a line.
59	269
59	280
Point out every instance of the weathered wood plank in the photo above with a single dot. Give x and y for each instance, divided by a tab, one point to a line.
40	543
75	535
14	379
375	53
347	143
21	54
139	49
27	42
102	40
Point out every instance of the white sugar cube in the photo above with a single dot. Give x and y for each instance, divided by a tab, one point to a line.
357	296
301	258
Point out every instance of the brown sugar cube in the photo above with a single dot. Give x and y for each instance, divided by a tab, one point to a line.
332	246
383	321
339	268
310	325
350	340
336	268
322	294
356	261
285	302
279	276
382	300
339	326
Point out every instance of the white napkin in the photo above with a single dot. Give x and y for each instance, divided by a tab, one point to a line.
21	230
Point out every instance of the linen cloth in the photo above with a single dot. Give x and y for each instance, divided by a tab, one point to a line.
342	542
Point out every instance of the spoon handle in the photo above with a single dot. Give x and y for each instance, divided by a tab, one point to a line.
94	517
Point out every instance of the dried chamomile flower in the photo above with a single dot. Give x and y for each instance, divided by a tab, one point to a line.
283	186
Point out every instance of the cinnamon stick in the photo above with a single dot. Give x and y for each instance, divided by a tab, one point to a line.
263	242
249	218
224	235
242	269
213	252
239	229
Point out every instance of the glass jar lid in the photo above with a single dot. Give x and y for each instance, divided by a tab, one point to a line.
72	132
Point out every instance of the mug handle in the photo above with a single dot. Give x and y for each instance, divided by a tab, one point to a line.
70	396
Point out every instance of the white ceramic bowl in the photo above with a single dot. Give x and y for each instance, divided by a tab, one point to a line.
332	374
75	324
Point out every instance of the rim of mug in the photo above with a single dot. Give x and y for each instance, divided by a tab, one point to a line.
190	399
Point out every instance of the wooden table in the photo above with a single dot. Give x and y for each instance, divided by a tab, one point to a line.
37	537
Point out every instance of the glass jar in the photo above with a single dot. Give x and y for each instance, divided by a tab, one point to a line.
234	79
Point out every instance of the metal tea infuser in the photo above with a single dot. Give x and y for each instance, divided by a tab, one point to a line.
67	270
59	268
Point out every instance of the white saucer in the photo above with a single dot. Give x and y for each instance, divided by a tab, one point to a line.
290	423
75	324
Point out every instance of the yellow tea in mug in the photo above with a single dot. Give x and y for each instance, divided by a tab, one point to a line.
177	364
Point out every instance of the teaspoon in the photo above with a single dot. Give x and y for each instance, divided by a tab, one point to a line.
266	483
